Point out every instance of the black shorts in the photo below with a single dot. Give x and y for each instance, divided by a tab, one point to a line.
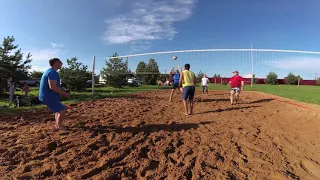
204	87
175	86
188	92
236	89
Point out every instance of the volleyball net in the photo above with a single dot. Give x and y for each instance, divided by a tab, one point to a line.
222	62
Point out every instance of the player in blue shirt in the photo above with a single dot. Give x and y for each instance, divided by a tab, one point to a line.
50	91
175	85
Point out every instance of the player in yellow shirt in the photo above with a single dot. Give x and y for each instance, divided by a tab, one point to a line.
188	82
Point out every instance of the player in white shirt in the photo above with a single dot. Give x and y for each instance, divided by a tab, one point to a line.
204	84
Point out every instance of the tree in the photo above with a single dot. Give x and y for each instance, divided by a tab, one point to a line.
12	64
76	75
36	74
141	70
116	71
272	78
216	76
291	79
152	72
199	76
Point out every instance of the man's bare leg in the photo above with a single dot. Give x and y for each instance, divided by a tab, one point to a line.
185	107
237	97
56	119
59	119
231	97
171	95
191	107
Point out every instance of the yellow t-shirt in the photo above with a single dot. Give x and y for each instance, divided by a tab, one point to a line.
188	78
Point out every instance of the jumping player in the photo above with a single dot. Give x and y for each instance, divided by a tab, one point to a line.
204	84
188	82
175	84
50	91
236	82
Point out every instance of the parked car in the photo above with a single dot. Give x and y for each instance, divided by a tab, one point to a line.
134	82
89	83
30	82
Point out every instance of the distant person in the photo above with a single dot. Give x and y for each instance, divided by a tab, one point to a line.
26	89
236	82
12	89
50	91
204	84
188	82
175	84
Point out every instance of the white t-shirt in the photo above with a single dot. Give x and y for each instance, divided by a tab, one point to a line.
204	81
12	88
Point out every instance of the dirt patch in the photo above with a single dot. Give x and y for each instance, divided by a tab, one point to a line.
145	137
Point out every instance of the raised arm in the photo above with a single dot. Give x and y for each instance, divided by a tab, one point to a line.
180	70
180	79
171	71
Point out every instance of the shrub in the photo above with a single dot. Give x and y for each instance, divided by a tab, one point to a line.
75	76
272	78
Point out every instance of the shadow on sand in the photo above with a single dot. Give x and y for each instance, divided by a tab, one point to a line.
261	101
146	128
212	100
228	109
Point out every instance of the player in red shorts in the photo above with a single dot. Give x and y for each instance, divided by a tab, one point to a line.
236	82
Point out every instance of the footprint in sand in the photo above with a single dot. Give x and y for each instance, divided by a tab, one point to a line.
311	167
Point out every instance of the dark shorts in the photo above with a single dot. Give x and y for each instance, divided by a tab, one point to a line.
236	89
175	86
54	105
188	92
204	87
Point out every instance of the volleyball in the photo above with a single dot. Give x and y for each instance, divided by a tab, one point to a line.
175	57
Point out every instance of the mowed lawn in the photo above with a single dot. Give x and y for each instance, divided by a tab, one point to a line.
100	92
309	94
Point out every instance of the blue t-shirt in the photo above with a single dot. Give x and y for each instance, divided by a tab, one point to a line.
176	78
45	93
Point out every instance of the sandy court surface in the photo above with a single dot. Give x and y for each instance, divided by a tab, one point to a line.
145	137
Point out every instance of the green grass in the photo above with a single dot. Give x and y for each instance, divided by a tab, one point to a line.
309	94
100	92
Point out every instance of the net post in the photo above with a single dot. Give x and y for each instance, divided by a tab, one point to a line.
251	67
92	80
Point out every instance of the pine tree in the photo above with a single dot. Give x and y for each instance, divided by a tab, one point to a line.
116	71
76	75
152	72
12	64
141	71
